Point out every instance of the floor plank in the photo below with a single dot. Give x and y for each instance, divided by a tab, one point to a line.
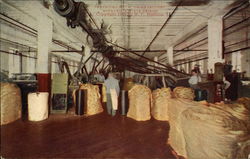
99	136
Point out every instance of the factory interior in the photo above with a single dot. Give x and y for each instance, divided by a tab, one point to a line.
125	79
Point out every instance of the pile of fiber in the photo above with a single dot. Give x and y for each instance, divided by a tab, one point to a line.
184	92
205	130
94	105
160	103
236	109
10	101
245	101
139	103
176	137
183	100
215	131
204	102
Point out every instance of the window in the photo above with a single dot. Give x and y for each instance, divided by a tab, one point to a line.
14	62
236	61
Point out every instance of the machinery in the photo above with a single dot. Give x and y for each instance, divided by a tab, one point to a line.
27	83
77	14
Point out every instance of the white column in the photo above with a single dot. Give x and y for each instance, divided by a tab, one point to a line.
236	61
204	66
201	66
183	67
215	28
178	67
170	55
156	60
44	38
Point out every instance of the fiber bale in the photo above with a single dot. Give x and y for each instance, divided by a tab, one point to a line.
10	101
139	103
184	92
94	105
160	103
211	132
38	106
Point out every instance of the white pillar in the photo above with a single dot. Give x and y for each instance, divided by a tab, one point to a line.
187	67
44	32
215	28
236	61
201	66
178	67
170	55
204	65
156	60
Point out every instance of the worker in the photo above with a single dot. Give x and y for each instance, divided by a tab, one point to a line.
197	68
226	85
227	69
193	82
99	77
194	79
113	91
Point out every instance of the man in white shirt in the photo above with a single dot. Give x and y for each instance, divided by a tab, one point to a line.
194	79
112	86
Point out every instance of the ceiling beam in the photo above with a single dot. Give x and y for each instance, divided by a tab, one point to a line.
169	69
200	22
191	45
183	50
169	17
117	51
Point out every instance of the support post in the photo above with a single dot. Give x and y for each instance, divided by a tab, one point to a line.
44	39
170	55
215	52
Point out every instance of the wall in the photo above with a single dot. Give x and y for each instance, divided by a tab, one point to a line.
27	12
240	61
245	61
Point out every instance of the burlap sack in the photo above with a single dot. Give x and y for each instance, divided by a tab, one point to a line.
10	101
94	105
139	103
160	103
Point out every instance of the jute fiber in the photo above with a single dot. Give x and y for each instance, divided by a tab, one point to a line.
94	105
11	103
139	103
160	103
184	92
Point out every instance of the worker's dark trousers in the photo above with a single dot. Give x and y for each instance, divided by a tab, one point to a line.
200	95
110	109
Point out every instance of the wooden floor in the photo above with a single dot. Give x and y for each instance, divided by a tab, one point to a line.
99	136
